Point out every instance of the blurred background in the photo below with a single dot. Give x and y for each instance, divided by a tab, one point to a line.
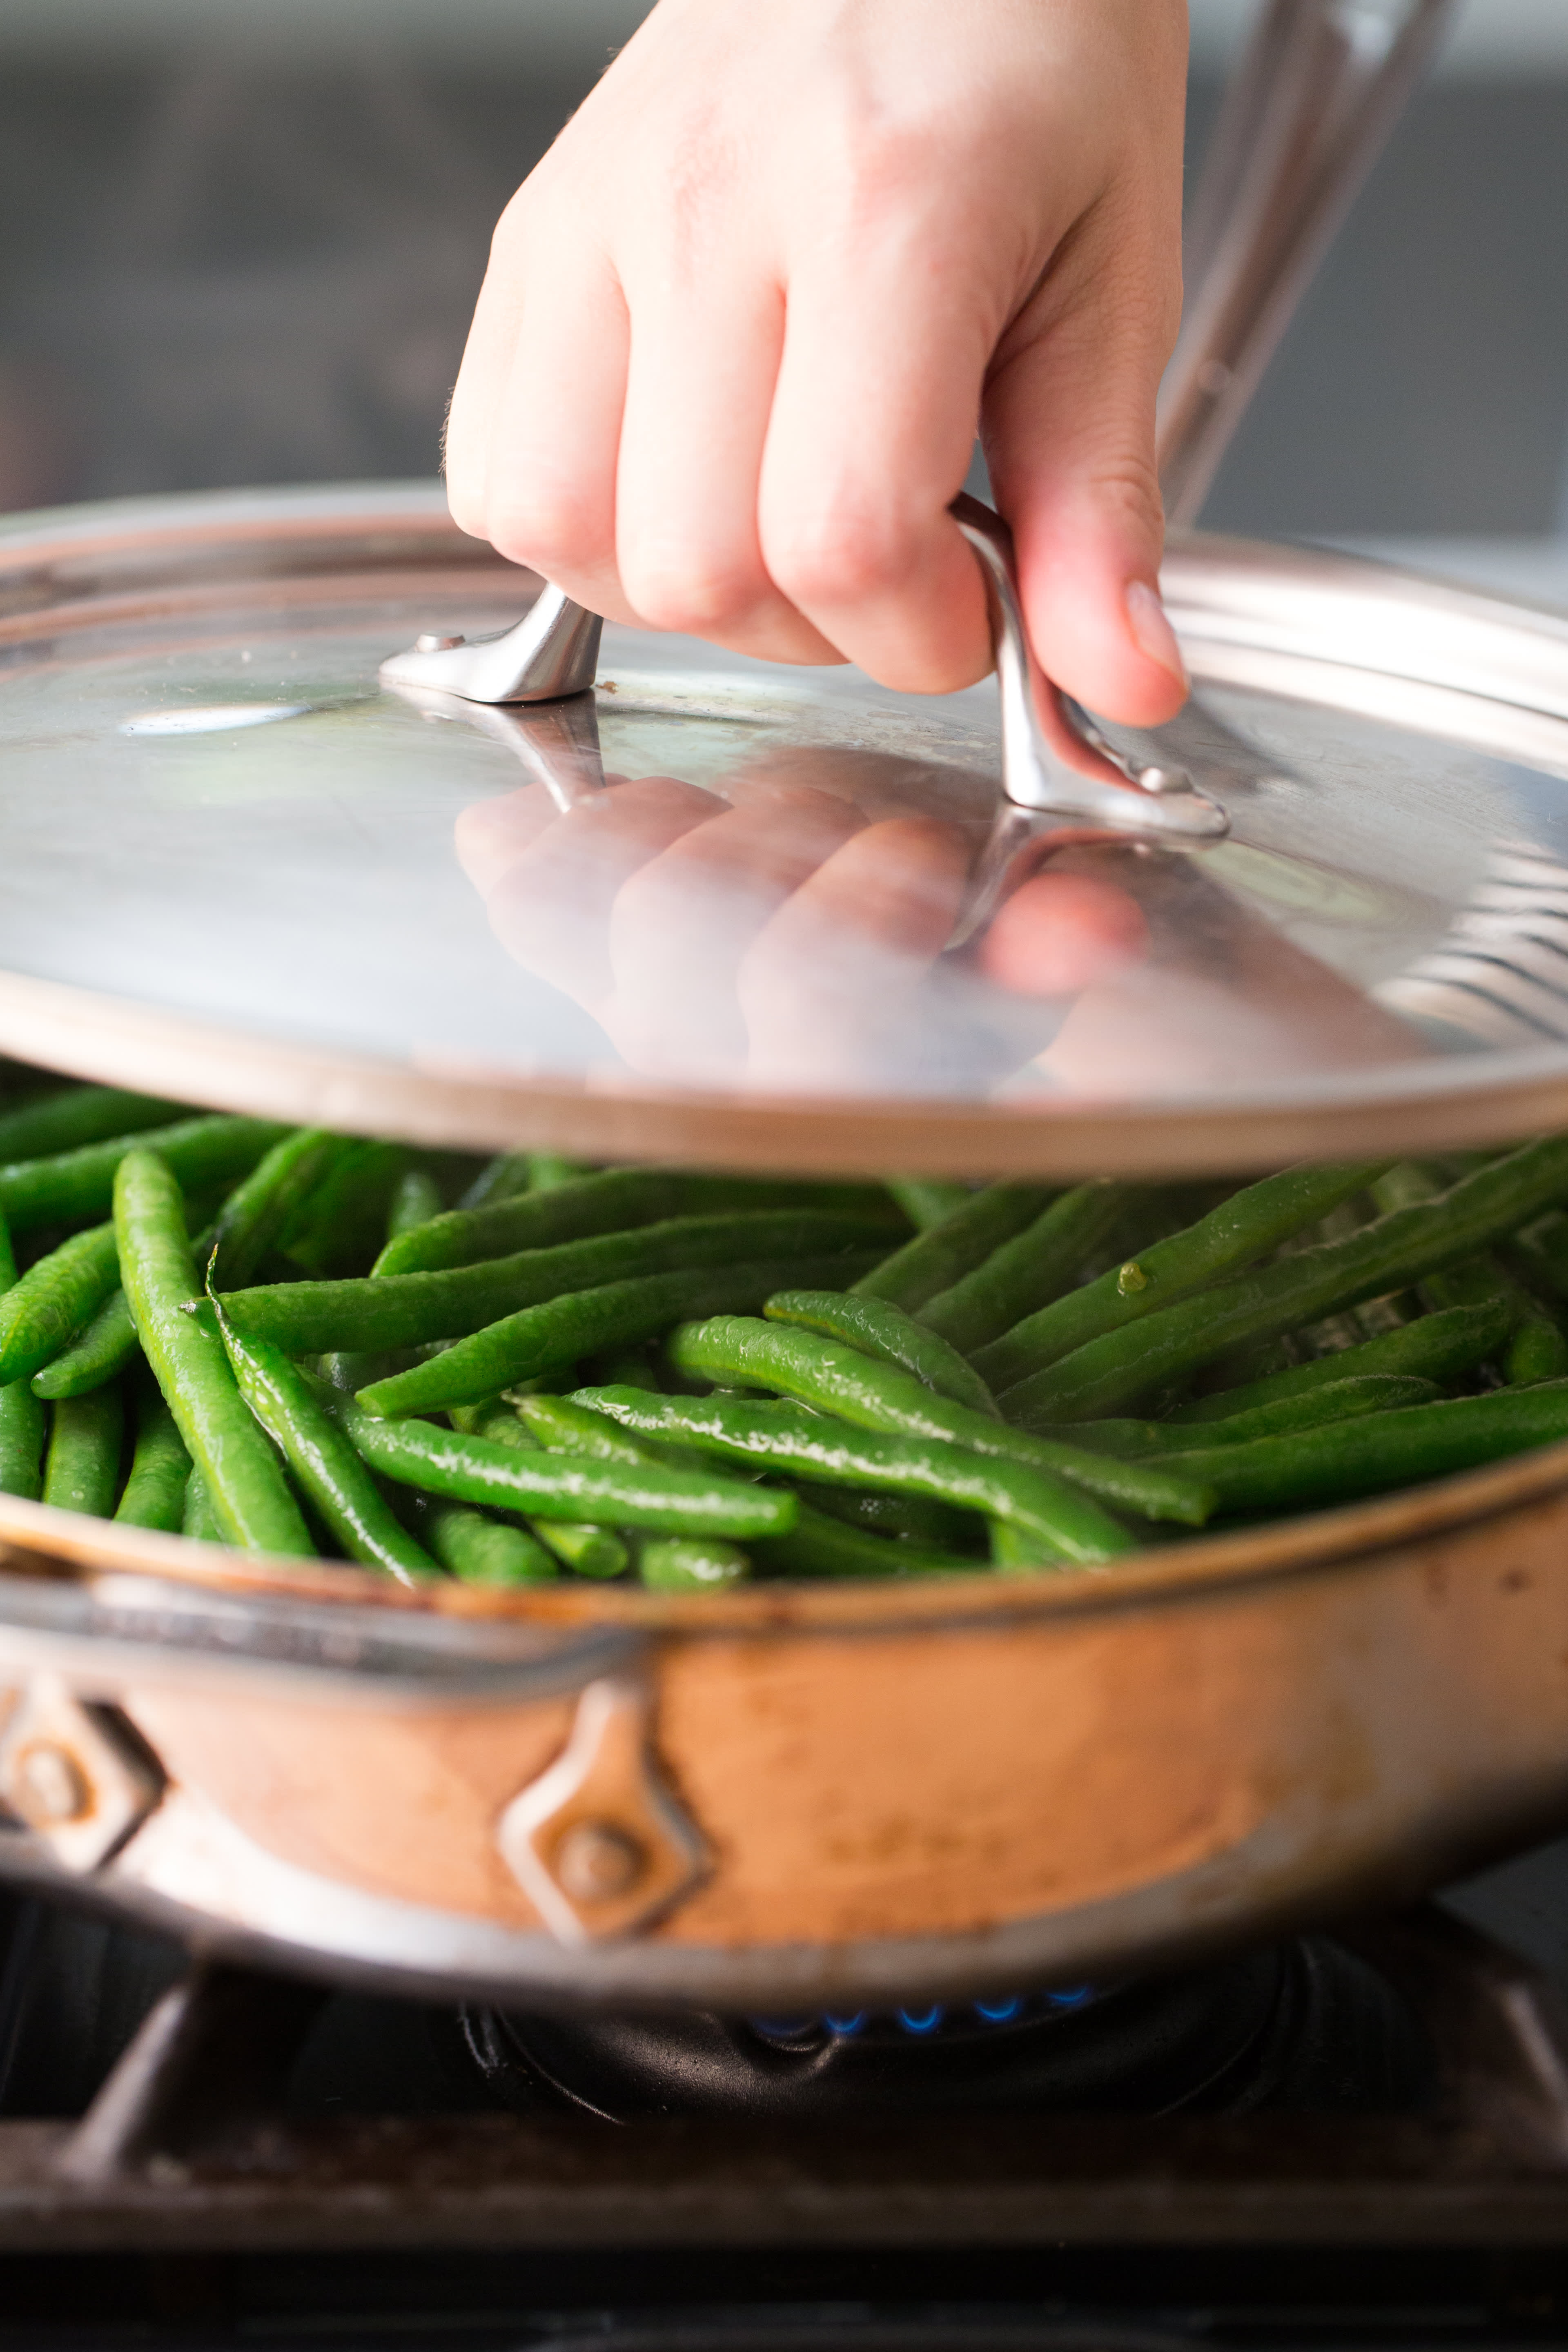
242	240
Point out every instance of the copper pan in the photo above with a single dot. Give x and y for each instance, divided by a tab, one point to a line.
789	1795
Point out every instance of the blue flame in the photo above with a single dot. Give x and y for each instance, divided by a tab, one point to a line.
925	2020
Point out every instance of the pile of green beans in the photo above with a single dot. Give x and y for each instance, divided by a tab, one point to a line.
304	1344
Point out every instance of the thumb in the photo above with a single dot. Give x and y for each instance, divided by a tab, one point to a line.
1070	438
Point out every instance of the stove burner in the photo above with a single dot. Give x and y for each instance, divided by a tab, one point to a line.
1306	2027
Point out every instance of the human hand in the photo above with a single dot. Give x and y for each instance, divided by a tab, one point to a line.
740	326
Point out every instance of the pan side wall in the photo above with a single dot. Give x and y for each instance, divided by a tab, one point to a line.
1174	1766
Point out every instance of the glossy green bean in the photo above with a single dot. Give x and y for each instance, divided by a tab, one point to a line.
500	1179
1397	1250
1032	1268
406	1310
928	1200
198	1522
943	1253
616	1202
256	1214
480	1549
558	1486
554	1335
290	1407
72	1115
1441	1348
1345	1400
340	1223
72	1187
1317	1467
54	1298
691	1563
1236	1234
154	1494
1537	1347
877	1327
820	1545
107	1344
911	1518
82	1470
789	1439
250	1502
740	1351
23	1422
416	1200
587	1550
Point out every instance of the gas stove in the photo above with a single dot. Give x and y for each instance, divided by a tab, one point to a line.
1358	2139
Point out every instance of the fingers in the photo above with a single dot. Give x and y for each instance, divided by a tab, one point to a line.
1070	435
704	359
870	437
535	426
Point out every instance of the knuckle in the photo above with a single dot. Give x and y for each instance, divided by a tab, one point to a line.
691	593
837	560
551	530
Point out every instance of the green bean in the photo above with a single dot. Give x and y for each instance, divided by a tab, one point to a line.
198	1522
877	1327
72	1187
23	1420
926	1201
288	1406
154	1494
250	1503
558	1486
819	1545
81	1472
786	1437
552	1335
1235	1235
340	1222
943	1253
834	1379
500	1179
65	1120
403	1311
588	1551
909	1518
691	1563
481	1550
1538	1347
1033	1267
546	1170
416	1200
107	1344
54	1298
1440	1348
1335	1401
615	1202
256	1213
1387	1449
1540	1251
1400	1249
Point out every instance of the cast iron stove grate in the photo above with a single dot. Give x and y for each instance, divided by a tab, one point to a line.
187	2201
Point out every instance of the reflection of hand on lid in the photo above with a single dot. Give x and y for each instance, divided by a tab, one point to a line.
790	935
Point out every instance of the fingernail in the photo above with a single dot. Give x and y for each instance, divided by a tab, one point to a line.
1151	629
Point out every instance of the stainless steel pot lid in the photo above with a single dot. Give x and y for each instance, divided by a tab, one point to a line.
237	868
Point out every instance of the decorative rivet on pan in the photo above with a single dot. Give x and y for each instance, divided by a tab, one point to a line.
597	1842
75	1774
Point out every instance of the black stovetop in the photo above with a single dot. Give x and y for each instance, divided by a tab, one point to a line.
1350	2141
